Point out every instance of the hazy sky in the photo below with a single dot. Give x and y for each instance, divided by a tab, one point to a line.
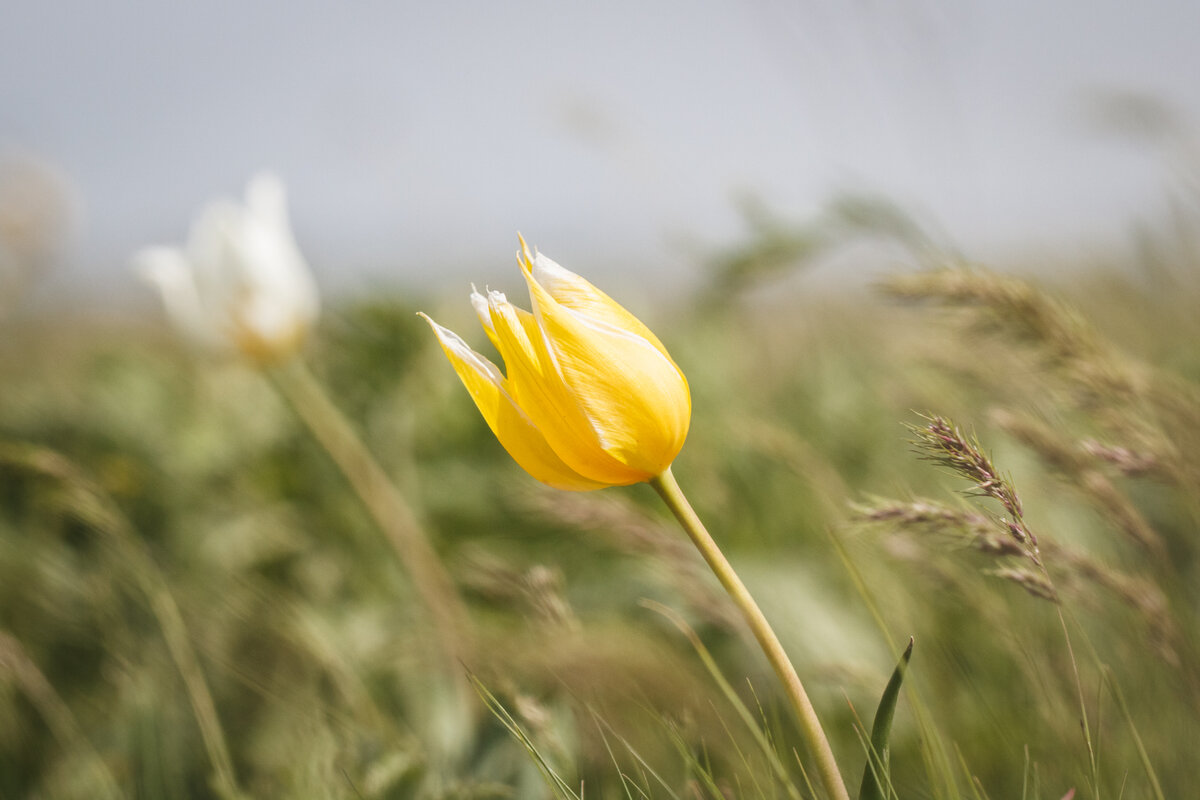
417	138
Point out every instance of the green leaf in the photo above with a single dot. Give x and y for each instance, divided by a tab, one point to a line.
876	774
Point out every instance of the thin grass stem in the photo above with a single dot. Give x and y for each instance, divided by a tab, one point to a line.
1093	763
54	712
170	620
726	689
92	504
933	753
1111	680
391	512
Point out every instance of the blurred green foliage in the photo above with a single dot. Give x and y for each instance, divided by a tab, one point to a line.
122	455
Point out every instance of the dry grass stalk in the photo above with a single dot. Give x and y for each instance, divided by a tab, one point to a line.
1013	306
981	533
630	529
967	528
539	591
1033	582
1072	462
1128	462
943	443
977	530
1157	414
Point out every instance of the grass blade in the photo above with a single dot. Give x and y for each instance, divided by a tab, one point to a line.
875	775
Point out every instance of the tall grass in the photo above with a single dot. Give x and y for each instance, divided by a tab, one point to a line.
137	479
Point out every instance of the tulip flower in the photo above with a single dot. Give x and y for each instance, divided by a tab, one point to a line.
240	283
591	397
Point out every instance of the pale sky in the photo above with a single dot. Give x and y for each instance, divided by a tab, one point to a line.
416	139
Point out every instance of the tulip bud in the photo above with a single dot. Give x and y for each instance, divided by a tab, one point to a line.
591	398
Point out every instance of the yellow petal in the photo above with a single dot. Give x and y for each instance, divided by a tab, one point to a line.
539	391
633	394
579	295
518	435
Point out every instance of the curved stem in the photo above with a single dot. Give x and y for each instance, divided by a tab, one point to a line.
810	727
174	630
55	713
391	512
92	504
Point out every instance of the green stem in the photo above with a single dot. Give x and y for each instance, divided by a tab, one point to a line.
810	727
55	713
166	611
392	514
92	504
1083	715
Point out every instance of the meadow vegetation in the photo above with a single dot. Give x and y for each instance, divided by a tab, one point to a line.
195	602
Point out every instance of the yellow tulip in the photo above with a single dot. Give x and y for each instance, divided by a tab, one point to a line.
591	397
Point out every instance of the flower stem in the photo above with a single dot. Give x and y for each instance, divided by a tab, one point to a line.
810	727
170	620
16	664
97	508
391	512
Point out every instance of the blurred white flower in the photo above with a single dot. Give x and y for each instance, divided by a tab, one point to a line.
240	283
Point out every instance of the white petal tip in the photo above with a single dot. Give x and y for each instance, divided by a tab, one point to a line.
159	265
546	269
266	195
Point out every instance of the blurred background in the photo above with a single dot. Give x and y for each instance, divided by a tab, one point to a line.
417	138
208	587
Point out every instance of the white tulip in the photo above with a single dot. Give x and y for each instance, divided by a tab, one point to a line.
240	283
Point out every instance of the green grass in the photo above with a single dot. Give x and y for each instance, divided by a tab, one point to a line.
135	476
